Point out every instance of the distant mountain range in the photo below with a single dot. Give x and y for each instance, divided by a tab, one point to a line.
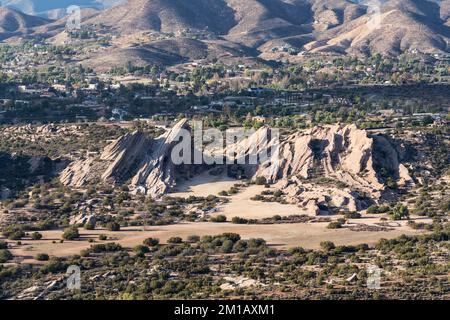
255	27
55	9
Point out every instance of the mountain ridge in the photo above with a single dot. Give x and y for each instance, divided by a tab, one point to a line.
259	26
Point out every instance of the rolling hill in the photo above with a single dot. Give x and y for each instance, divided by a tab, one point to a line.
250	27
55	9
15	23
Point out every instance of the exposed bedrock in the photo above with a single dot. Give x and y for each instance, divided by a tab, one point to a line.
321	169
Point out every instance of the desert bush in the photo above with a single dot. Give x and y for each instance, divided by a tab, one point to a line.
327	245
260	181
141	249
238	220
193	239
219	219
352	215
334	225
399	212
89	226
175	240
36	236
53	265
113	226
151	242
42	257
71	233
5	255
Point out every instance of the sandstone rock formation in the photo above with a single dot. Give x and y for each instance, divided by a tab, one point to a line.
323	169
134	158
326	167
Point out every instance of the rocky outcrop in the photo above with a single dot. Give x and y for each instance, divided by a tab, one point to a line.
83	219
321	169
135	158
327	166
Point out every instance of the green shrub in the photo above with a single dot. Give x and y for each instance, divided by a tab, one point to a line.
238	220
89	226
71	233
113	226
261	181
219	219
193	239
5	255
399	212
141	250
53	265
36	236
14	233
327	245
334	225
175	240
151	242
352	215
42	257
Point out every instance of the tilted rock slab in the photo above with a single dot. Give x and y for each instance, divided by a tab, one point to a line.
134	157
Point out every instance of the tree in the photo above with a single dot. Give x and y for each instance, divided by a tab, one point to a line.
327	245
175	240
219	219
141	250
113	226
71	233
36	236
193	239
42	257
90	225
5	255
399	212
151	242
260	181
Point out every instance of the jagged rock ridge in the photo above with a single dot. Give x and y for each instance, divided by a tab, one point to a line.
330	166
320	168
136	158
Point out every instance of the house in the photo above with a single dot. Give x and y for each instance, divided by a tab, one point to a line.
59	87
259	119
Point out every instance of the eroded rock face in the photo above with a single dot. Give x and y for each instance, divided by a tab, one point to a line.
327	167
134	157
323	169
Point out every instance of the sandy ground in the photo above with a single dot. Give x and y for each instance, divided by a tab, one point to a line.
242	206
307	235
204	185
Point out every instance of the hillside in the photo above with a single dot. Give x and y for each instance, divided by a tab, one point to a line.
403	25
317	25
15	23
252	28
55	9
